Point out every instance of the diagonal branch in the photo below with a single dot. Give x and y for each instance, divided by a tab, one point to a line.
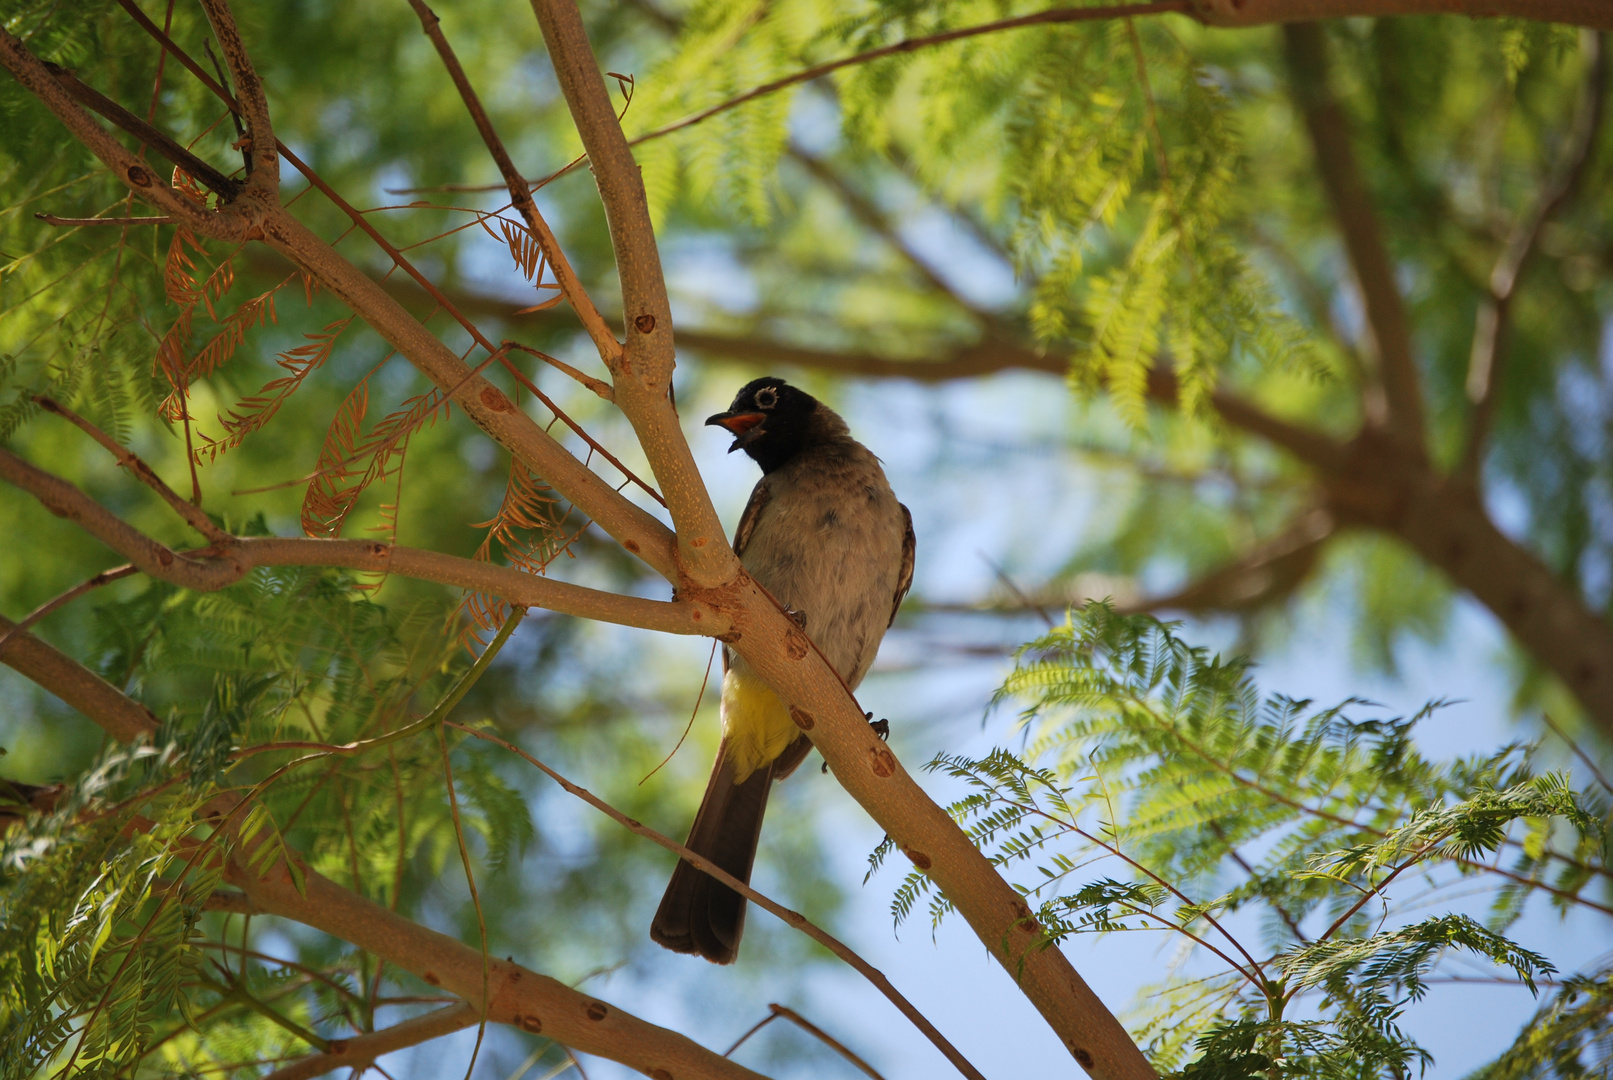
147	133
643	373
870	215
1268	573
38	80
192	515
520	997
1306	50
517	996
521	193
1489	335
263	163
793	918
119	715
359	1052
484	403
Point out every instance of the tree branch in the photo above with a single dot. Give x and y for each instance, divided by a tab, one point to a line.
1489	335
768	639
263	162
1310	446
870	215
119	715
484	403
1306	49
517	996
643	373
1222	13
358	1052
152	136
1269	572
521	193
35	77
227	562
793	918
192	515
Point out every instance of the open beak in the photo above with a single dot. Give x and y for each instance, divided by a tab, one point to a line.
745	426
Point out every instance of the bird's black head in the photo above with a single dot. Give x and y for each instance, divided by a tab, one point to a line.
771	421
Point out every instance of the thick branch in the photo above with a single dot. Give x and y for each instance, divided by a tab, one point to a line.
820	705
523	998
32	73
115	712
520	997
1306	47
263	180
643	373
152	136
768	639
358	1052
484	403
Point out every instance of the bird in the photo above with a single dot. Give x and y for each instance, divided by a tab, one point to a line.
825	535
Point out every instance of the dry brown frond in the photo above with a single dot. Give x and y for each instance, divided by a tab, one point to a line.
338	479
251	413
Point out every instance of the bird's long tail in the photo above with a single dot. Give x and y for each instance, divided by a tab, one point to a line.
699	914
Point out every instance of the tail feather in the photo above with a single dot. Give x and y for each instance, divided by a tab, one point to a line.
699	914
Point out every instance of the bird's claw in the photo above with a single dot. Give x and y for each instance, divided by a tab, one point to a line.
797	617
882	728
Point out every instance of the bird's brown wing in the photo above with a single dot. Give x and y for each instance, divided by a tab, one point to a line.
904	577
759	496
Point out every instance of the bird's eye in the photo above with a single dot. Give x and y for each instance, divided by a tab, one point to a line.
766	397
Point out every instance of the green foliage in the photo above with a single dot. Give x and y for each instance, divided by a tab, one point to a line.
102	950
1221	805
1570	1038
1108	151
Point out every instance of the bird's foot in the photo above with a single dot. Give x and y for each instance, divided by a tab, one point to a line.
882	728
797	617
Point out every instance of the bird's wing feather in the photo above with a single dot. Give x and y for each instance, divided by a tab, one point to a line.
759	497
904	577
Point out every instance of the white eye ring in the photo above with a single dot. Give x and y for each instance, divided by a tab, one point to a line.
766	397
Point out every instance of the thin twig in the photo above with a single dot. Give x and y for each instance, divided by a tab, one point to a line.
1561	734
793	918
80	222
391	250
193	515
598	386
698	698
520	193
360	1051
834	1044
1484	372
105	577
907	45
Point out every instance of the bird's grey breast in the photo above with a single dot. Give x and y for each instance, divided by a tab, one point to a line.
828	543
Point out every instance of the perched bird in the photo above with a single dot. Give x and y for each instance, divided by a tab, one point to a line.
825	535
